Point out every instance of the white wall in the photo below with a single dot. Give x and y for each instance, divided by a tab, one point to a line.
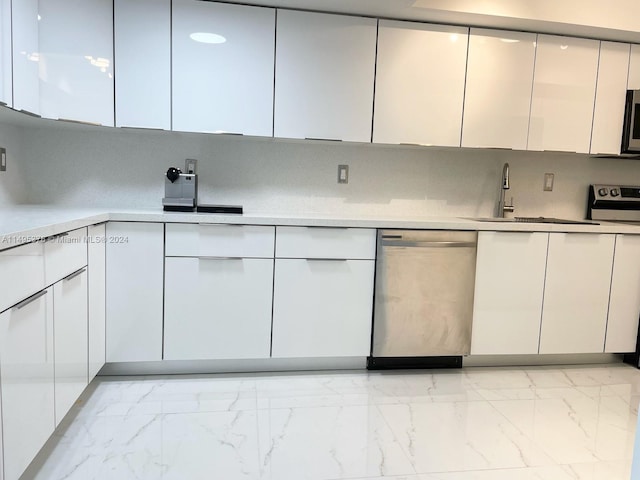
13	187
125	168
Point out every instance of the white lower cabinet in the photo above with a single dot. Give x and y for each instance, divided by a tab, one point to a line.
624	301
576	298
96	285
64	254
135	263
509	290
26	356
70	340
217	308
322	307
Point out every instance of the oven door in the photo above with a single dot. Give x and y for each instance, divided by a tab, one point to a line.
631	129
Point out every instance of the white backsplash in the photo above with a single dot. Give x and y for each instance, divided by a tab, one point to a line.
101	167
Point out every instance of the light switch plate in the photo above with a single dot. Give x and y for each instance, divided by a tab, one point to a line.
548	182
190	165
3	159
343	173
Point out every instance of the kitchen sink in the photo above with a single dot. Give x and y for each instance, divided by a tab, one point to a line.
534	220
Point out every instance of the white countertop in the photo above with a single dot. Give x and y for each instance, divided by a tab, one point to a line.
24	223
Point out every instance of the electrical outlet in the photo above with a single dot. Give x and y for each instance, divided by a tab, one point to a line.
343	173
3	159
548	182
190	165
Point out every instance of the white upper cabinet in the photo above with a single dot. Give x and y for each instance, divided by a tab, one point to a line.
608	113
633	82
564	89
420	75
497	97
222	68
324	76
142	41
26	56
6	81
76	60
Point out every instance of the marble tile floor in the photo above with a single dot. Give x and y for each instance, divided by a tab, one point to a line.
550	423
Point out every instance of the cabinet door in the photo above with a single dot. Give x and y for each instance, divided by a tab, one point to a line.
26	56
222	67
608	113
135	260
420	74
564	87
6	80
497	96
76	60
322	308
624	301
217	308
324	76
507	306
70	340
576	295
633	82
142	48
96	286
26	358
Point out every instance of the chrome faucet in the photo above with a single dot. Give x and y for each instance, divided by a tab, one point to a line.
502	206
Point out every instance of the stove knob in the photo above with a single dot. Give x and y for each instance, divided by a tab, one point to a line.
603	192
615	192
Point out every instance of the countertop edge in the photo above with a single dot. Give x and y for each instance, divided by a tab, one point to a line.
23	224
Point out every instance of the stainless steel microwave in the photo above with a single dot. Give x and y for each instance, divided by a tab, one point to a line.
631	129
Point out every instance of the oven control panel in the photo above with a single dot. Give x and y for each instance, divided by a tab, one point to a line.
624	193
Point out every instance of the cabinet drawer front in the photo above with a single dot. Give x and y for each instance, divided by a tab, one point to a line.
26	263
312	242
64	254
191	240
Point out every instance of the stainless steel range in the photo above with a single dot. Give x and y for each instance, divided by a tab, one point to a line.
614	203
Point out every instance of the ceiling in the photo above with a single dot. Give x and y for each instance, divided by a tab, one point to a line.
617	20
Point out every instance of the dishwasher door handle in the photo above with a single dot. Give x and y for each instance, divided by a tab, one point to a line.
427	244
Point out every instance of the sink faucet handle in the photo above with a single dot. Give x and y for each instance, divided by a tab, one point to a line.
509	208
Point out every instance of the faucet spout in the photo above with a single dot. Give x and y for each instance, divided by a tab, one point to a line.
505	176
504	186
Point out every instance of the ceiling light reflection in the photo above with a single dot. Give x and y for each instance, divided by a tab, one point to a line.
206	37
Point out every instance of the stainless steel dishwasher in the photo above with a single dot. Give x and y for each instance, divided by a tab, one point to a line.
423	298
